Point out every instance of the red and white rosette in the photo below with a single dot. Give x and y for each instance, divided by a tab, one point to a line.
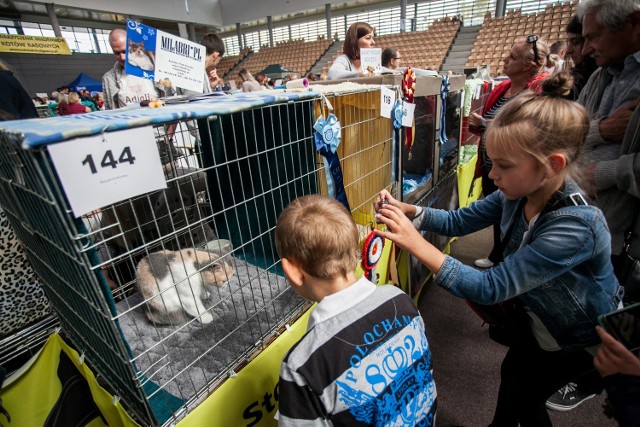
408	89
371	253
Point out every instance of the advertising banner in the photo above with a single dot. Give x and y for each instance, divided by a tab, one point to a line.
16	43
155	55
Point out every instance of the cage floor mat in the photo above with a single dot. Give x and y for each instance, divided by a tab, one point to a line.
182	359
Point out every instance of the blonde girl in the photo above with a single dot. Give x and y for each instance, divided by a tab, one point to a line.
556	267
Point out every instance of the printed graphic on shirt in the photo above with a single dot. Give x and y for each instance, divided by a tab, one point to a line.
134	89
391	385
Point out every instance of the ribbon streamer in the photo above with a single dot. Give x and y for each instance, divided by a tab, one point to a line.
444	92
327	139
397	113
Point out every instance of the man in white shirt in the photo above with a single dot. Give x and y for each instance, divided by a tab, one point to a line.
119	88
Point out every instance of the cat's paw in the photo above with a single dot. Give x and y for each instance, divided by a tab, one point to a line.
206	318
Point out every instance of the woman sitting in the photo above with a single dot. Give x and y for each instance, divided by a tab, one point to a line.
347	65
73	106
249	84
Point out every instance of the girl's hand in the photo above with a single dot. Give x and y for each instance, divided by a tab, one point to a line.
385	198
402	232
614	358
400	228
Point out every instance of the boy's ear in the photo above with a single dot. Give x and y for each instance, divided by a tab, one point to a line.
292	270
557	162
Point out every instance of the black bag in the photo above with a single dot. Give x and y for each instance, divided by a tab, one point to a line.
504	317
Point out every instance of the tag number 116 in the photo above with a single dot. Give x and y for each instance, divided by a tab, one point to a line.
109	160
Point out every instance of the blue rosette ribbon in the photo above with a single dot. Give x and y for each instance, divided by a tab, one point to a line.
397	113
444	92
327	138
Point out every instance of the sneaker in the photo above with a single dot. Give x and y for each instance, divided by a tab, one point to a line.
567	398
483	263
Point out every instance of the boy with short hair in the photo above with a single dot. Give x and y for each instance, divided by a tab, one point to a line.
365	359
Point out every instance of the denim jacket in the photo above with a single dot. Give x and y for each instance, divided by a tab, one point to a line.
561	270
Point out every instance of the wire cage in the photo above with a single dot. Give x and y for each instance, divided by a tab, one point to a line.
366	148
227	177
204	242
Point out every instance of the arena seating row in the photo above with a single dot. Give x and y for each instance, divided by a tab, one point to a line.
497	35
228	62
421	49
296	55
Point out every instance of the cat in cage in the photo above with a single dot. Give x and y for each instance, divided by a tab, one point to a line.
175	282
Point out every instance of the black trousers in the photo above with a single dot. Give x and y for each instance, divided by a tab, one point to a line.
529	375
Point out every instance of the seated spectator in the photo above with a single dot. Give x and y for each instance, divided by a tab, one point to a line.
390	59
64	90
85	96
312	77
347	65
73	106
555	60
249	84
62	104
98	99
262	80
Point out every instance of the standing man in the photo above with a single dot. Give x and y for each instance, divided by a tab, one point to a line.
215	49
611	32
119	88
583	66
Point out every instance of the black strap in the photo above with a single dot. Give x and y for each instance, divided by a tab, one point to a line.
558	200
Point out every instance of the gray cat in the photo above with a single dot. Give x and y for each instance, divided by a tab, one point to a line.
175	283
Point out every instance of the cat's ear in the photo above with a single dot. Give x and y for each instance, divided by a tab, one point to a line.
292	270
130	42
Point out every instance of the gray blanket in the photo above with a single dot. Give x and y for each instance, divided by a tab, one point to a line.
183	359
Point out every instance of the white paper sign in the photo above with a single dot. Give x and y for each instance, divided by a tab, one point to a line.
181	61
155	55
100	170
387	99
407	111
371	60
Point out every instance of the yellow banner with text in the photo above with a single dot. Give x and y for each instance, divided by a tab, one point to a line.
16	43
